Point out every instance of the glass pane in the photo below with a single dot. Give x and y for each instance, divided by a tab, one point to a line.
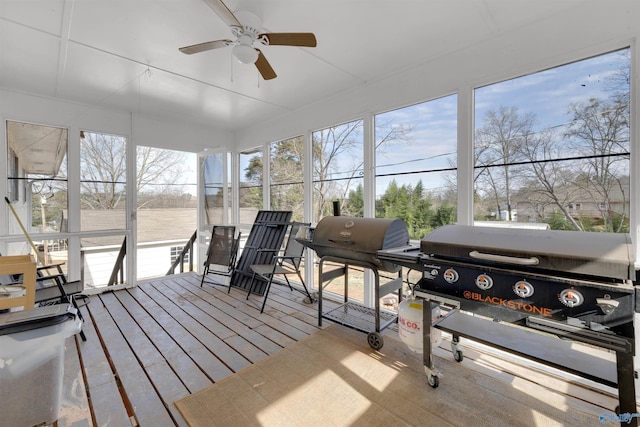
416	165
213	179
102	181
553	147
338	169
167	208
37	182
251	170
101	261
338	160
287	176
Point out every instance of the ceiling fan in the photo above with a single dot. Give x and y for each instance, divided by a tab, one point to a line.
246	28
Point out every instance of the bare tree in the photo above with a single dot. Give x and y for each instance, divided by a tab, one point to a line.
599	131
103	170
498	149
338	159
337	153
547	183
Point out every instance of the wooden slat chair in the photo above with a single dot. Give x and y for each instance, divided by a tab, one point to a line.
284	264
267	232
14	266
222	252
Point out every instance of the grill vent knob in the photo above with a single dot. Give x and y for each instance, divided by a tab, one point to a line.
571	298
450	275
523	289
484	282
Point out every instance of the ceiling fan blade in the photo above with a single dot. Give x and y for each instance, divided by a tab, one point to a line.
223	12
264	67
202	47
290	39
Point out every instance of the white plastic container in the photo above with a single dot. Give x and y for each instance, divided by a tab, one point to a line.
32	363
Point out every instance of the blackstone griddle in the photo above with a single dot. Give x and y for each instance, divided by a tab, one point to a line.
577	286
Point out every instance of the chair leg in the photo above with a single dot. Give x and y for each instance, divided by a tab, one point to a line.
266	293
230	276
305	288
204	273
253	278
286	279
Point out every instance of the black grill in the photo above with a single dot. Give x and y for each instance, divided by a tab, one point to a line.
359	239
575	285
355	241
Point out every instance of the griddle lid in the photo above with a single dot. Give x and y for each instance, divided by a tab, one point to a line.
607	255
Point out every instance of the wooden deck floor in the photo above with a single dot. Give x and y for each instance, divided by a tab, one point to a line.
149	346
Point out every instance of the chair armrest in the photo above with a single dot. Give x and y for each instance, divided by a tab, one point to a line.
287	257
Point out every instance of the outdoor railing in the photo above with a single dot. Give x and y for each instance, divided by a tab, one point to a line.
187	252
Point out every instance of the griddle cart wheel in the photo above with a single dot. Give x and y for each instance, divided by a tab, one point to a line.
433	381
375	340
458	356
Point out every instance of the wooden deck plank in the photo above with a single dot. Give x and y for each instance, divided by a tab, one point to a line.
202	356
142	334
179	361
228	305
231	358
193	305
274	335
148	406
261	341
254	318
208	304
141	346
107	404
278	324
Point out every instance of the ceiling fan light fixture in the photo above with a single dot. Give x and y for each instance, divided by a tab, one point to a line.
245	53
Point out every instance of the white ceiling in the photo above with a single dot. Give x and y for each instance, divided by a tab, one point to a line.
124	54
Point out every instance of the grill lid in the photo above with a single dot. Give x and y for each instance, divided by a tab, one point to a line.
595	254
359	239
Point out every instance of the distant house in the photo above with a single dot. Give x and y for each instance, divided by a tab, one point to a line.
578	203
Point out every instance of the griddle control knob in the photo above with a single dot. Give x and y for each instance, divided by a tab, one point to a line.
484	282
571	298
523	289
450	275
607	304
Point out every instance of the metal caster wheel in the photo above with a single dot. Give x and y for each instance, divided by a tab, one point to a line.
375	340
458	356
433	381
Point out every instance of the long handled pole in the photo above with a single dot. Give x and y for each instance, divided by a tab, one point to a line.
15	214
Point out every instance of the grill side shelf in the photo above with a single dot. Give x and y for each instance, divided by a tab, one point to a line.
531	345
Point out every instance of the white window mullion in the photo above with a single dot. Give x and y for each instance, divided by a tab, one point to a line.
73	204
465	162
131	207
369	195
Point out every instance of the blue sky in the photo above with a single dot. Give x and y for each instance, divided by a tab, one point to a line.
433	145
547	94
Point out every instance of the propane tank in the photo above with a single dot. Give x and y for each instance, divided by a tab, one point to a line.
410	324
